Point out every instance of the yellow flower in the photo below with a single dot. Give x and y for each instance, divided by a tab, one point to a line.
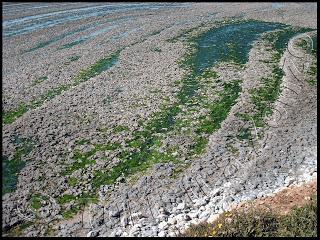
219	225
228	214
214	233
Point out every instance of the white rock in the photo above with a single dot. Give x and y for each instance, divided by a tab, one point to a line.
215	192
195	221
180	217
193	215
200	202
289	180
187	224
202	208
92	234
172	221
119	232
135	228
181	206
162	234
137	215
204	215
124	221
163	225
212	218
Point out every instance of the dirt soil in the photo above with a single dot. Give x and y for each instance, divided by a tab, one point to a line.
285	200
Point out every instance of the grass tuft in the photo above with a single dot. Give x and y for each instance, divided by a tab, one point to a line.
300	222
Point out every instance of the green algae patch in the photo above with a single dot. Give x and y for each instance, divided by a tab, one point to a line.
264	96
132	163
82	142
72	59
313	74
70	45
97	68
121	128
12	167
84	75
36	201
11	116
66	198
72	181
228	43
200	145
82	160
79	204
39	80
48	95
55	39
17	231
219	110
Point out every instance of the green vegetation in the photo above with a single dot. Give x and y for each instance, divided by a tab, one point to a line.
39	80
84	75
132	162
82	142
219	110
300	222
57	38
17	230
66	198
84	159
312	71
265	96
156	49
198	62
95	69
11	116
79	203
200	145
313	74
36	201
72	181
72	59
48	95
70	45
121	128
12	167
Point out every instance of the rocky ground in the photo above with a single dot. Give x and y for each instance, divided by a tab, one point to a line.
105	133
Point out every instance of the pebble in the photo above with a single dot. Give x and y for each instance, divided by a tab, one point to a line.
163	225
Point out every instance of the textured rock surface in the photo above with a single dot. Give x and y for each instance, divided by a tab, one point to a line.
164	200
